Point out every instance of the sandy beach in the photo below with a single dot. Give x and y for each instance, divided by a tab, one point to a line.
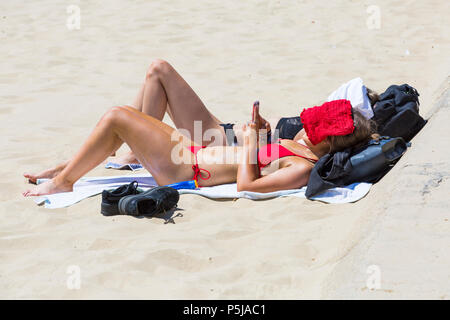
56	81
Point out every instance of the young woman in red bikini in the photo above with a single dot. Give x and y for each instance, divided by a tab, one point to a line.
165	91
285	165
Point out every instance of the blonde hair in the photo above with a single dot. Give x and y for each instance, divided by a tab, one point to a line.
365	129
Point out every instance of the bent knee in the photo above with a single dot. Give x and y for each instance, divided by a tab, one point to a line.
115	113
158	68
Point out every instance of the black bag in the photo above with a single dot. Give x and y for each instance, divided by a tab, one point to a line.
364	164
397	112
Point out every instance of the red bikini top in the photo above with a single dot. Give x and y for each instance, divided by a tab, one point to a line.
266	154
275	151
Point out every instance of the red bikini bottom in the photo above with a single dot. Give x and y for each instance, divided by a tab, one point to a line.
195	167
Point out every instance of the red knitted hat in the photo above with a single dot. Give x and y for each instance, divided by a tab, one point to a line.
332	118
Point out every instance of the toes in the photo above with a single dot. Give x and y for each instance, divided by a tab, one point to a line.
31	178
30	193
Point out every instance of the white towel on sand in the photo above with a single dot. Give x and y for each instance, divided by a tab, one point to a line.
90	186
356	93
128	166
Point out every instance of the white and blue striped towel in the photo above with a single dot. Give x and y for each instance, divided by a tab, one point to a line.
91	186
128	166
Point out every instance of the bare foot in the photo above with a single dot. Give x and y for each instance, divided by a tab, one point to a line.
48	187
126	158
46	174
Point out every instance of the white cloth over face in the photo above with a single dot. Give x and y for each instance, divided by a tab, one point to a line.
356	93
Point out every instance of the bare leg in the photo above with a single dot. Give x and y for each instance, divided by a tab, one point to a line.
164	90
140	96
129	157
147	137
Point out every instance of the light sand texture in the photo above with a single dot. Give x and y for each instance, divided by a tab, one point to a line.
55	84
407	232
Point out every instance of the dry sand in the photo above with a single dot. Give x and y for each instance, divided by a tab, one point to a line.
55	84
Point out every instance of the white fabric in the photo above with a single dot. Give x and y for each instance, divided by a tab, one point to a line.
127	166
302	142
356	93
90	186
